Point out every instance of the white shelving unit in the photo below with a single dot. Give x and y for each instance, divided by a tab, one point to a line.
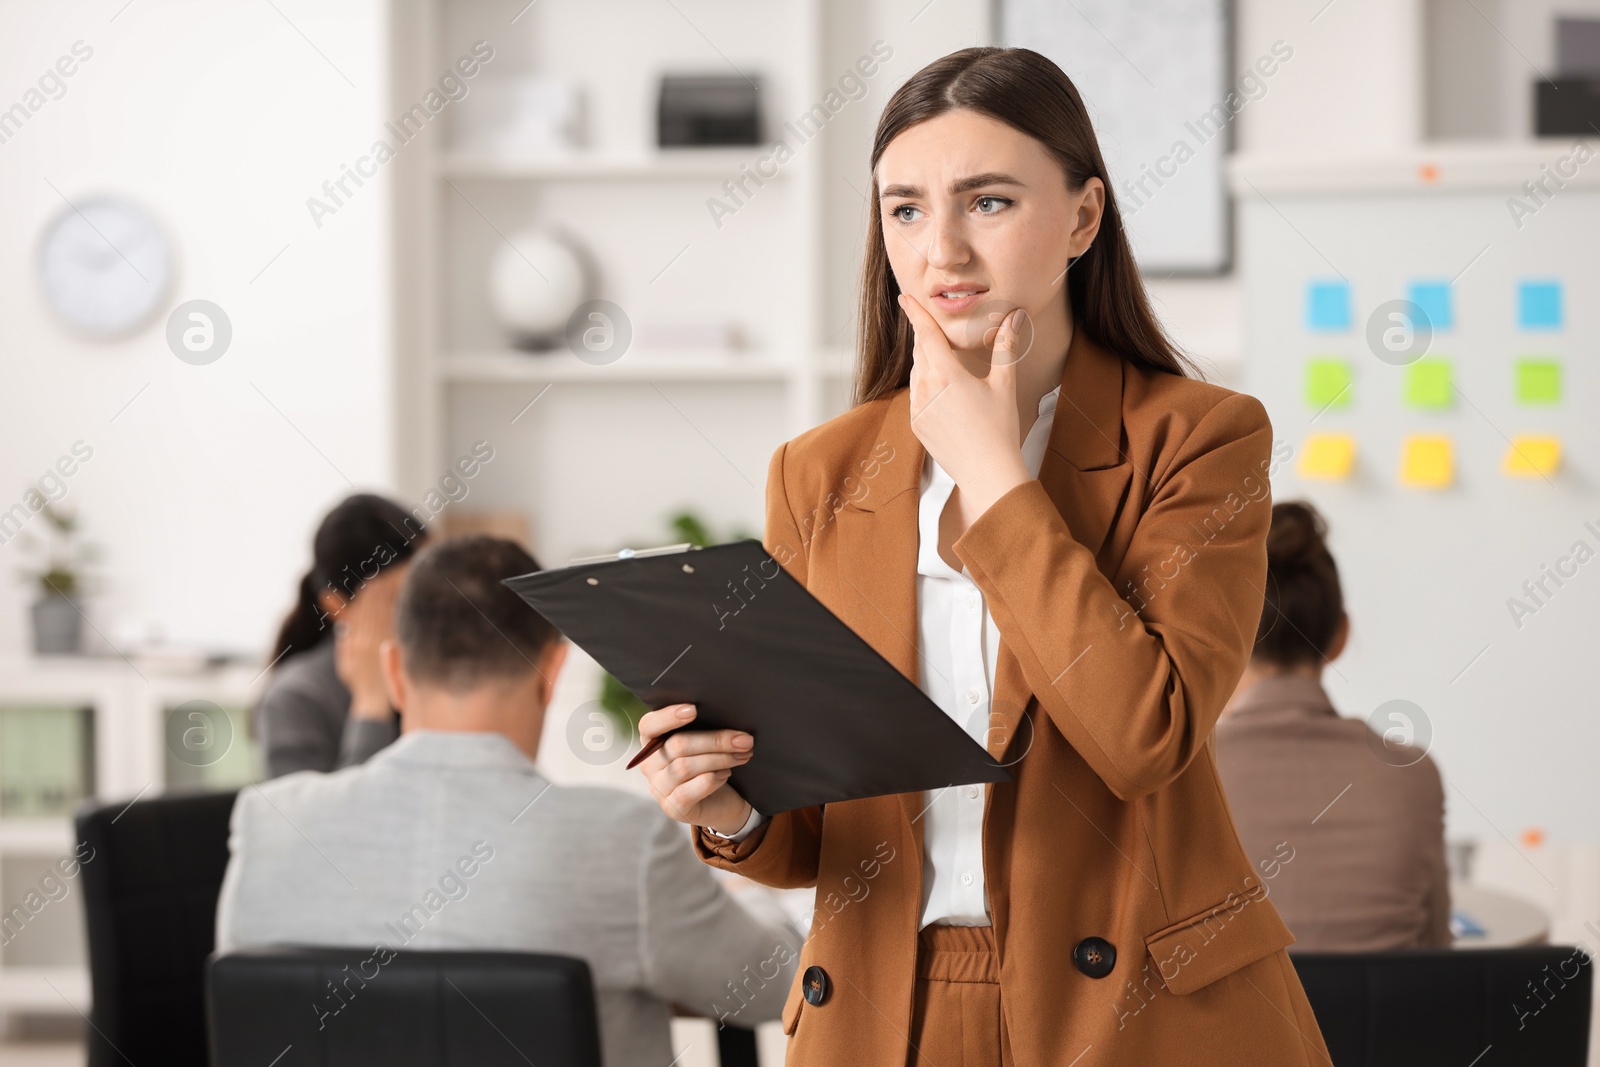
42	964
641	214
656	164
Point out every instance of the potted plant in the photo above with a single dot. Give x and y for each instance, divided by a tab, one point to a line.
59	580
617	699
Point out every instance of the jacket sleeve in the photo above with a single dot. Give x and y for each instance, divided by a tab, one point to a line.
784	850
700	947
1137	691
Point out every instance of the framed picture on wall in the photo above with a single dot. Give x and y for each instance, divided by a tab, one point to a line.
1157	79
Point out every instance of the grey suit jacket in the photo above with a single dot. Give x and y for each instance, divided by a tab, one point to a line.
1348	835
454	840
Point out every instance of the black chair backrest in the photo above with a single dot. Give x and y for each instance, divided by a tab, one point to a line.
1417	1008
150	900
305	1007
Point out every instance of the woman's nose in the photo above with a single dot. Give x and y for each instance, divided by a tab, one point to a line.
948	248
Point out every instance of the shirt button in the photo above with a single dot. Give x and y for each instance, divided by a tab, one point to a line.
972	792
966	879
973	696
972	600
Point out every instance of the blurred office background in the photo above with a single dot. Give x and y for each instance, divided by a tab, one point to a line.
555	244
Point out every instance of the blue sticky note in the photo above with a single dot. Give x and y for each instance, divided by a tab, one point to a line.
1539	305
1434	300
1328	306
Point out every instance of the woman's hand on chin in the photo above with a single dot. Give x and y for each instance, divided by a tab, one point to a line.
968	424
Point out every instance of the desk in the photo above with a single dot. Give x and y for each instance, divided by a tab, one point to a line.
1506	920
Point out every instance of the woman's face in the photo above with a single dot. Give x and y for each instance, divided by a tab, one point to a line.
978	220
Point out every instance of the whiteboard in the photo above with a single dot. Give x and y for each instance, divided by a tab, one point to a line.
1149	72
1512	714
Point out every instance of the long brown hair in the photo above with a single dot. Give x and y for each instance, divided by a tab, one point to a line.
1025	90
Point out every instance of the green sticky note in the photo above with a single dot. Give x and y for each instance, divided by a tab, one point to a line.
1428	383
1538	381
1328	383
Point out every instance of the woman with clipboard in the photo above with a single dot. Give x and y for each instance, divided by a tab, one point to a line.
1038	514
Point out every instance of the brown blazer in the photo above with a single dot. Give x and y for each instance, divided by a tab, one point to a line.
1126	581
1368	869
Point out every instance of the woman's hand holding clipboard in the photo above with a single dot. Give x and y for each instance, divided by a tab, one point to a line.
688	770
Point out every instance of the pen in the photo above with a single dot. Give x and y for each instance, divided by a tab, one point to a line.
652	748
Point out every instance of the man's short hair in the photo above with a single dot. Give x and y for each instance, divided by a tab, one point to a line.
457	625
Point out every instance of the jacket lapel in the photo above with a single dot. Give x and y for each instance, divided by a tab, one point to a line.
1082	471
1087	480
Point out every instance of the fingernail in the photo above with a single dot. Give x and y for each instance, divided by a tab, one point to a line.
685	712
743	741
1015	321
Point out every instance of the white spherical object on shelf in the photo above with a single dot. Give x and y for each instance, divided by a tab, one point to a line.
536	281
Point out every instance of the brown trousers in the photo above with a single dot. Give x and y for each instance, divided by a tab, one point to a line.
956	1020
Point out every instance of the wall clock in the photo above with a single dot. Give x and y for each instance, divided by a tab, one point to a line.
105	266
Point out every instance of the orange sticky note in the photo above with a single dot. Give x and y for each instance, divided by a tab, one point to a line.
1327	456
1427	461
1532	456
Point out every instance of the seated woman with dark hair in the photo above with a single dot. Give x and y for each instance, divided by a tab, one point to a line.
1348	824
325	705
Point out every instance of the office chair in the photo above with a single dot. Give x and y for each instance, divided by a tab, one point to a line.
149	900
304	1007
737	1047
1421	1007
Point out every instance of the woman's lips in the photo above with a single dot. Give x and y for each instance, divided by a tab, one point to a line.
956	304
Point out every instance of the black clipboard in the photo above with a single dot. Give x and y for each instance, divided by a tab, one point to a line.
729	630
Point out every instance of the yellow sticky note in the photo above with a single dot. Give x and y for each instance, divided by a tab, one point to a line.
1327	456
1427	461
1532	456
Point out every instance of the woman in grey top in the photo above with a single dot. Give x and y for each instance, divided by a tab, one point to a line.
325	705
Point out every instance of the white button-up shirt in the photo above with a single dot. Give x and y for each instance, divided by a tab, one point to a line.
958	644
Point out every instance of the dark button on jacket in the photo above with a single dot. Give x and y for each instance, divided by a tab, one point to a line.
816	985
1095	956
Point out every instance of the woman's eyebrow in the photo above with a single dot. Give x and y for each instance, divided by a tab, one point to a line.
978	181
960	185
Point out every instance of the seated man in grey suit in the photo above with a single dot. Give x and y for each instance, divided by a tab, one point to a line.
451	839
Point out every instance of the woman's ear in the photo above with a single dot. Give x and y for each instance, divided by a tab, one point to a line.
1089	206
331	603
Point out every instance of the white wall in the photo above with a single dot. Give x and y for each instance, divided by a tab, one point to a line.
221	119
1355	80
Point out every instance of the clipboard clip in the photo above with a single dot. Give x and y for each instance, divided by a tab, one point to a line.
635	553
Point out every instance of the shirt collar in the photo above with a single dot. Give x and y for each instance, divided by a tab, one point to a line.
1282	692
938	485
456	749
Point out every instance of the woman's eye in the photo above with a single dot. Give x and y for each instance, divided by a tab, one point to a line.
989	205
903	212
